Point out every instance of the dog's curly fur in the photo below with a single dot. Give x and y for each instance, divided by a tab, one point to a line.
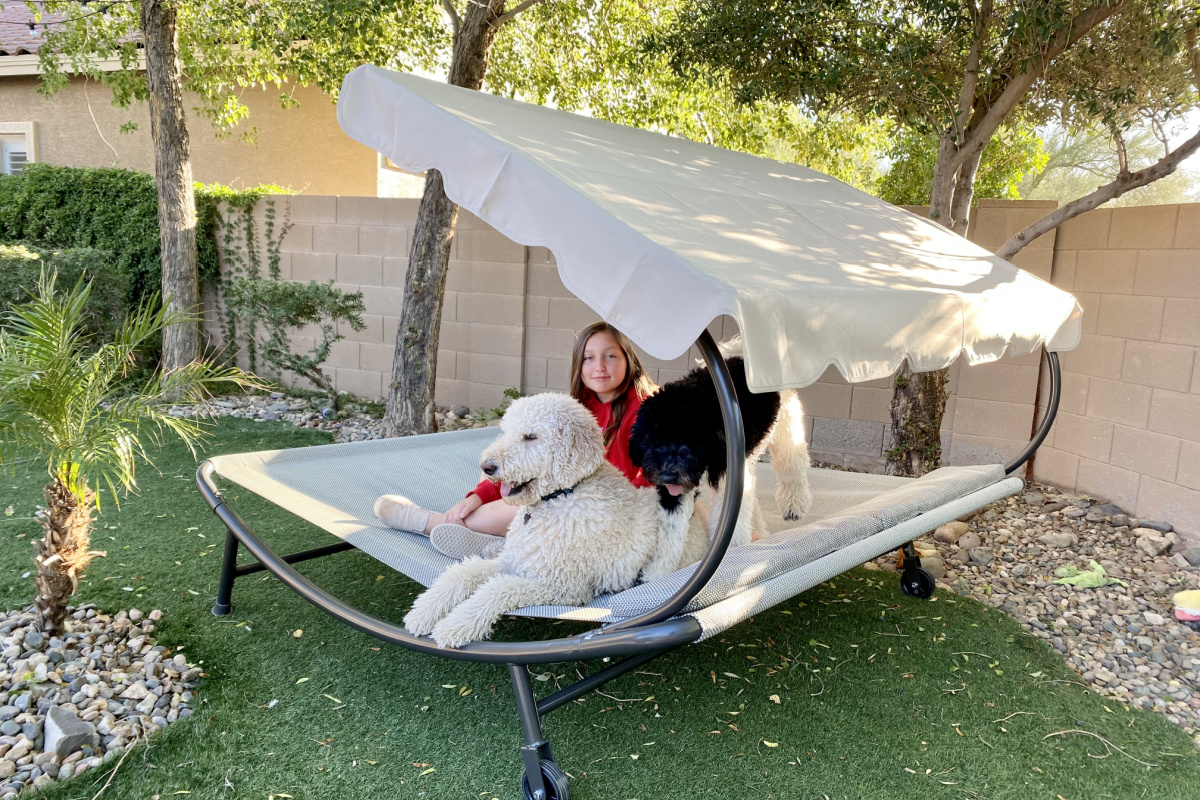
564	549
679	439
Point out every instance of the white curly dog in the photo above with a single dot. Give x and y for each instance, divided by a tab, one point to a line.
582	530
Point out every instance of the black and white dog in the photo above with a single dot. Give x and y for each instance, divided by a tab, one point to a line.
679	442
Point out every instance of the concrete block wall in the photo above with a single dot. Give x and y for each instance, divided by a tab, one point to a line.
1129	426
362	244
1128	429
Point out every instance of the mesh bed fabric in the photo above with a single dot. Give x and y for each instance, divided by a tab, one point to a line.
335	487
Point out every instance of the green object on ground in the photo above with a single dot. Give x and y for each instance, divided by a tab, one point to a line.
895	684
1092	579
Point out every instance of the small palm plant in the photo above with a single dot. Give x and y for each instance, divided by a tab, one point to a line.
76	403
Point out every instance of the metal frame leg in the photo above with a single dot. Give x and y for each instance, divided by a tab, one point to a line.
228	572
536	748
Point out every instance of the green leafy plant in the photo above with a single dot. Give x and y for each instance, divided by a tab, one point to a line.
242	253
76	403
510	394
51	208
22	267
281	308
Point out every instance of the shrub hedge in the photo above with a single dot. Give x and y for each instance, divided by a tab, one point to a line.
21	268
112	210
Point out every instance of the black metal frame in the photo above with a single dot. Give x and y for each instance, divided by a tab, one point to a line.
1043	429
637	639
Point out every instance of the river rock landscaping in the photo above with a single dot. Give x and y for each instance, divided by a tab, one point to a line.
1122	637
71	703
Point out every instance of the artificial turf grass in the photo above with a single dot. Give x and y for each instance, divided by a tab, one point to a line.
853	732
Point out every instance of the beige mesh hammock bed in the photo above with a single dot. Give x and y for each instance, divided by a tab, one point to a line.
815	272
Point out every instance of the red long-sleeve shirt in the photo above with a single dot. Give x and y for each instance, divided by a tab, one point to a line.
617	451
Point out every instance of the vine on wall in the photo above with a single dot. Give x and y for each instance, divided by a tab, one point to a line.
263	312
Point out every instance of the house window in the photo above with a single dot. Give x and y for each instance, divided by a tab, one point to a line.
18	146
13	154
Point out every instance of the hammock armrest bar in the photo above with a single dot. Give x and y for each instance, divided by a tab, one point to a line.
598	643
1051	412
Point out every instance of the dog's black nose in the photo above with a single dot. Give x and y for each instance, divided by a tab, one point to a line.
669	477
489	467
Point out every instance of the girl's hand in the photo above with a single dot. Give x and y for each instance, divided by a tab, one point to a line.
465	508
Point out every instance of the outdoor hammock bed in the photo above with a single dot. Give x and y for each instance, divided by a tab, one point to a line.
660	236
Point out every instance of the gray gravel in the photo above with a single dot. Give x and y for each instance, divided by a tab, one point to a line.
1124	641
74	702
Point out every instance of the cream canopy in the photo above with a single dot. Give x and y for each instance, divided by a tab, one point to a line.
661	235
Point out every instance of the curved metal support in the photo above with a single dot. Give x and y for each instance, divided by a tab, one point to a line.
1051	412
599	643
735	459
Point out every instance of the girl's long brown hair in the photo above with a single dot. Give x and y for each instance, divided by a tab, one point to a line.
635	375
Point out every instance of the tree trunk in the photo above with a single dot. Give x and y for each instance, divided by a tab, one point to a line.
918	403
919	398
414	366
941	196
173	175
964	193
62	553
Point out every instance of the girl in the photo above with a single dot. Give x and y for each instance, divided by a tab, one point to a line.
608	378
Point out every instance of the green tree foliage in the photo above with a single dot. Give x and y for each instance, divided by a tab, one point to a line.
959	72
602	58
229	46
1077	163
1014	155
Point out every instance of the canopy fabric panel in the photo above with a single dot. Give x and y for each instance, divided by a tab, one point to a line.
660	235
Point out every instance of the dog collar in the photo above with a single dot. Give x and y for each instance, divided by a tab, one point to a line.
558	493
551	496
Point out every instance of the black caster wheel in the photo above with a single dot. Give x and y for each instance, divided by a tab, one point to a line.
555	780
917	583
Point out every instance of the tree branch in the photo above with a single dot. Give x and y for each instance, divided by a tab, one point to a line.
1193	54
1122	184
966	98
1122	154
455	22
508	15
1018	86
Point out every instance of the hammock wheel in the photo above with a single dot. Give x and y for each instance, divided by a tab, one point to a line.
554	780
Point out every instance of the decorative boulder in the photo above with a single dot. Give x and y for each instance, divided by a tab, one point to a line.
66	733
1150	543
950	532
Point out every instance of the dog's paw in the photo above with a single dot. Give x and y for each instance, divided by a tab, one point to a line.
790	515
454	632
422	619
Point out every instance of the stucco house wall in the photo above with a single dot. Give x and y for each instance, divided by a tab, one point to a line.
302	148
